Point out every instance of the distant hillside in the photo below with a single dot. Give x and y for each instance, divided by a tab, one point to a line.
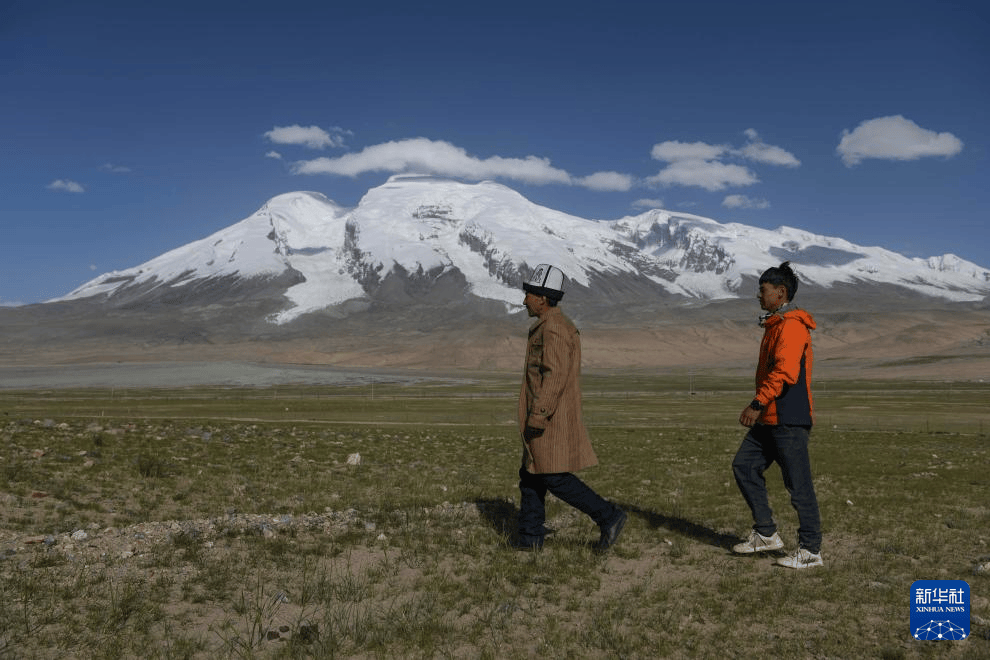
427	274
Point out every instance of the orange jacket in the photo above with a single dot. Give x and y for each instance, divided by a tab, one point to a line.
783	375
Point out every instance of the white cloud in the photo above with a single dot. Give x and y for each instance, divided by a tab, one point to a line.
708	174
744	202
672	151
444	159
313	137
707	165
66	185
894	138
274	154
648	204
116	169
757	150
606	181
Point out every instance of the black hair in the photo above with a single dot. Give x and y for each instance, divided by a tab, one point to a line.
781	275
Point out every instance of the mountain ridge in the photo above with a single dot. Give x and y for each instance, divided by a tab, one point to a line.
426	274
416	234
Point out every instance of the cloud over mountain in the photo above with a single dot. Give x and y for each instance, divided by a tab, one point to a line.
705	165
894	138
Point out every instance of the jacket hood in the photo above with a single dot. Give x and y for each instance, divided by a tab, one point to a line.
796	314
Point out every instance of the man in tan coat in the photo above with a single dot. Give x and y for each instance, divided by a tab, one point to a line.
555	441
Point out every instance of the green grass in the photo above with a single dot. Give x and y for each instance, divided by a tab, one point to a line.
229	523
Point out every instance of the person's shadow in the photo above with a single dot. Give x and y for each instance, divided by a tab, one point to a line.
501	515
682	526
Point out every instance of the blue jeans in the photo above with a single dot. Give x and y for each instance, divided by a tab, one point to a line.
788	446
566	487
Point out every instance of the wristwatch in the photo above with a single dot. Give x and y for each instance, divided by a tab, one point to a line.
756	405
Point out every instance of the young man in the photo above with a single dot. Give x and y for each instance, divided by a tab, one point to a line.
779	420
555	441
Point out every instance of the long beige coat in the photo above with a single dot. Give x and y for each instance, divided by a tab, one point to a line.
550	398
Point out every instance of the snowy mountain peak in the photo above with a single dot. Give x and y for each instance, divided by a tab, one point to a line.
418	230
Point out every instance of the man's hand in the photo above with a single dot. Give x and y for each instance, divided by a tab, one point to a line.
532	433
749	416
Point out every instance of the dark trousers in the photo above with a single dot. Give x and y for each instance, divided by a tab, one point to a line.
788	447
566	487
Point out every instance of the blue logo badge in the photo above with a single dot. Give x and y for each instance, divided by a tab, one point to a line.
940	609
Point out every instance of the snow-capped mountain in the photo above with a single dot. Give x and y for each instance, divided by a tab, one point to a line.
413	232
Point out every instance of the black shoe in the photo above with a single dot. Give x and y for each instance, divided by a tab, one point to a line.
610	532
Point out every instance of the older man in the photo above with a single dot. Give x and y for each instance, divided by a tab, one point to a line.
555	441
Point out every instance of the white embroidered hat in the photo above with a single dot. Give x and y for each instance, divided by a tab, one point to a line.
546	281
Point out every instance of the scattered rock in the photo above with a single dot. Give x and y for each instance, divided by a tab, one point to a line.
309	632
104	544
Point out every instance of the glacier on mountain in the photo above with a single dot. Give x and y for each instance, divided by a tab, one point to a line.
421	228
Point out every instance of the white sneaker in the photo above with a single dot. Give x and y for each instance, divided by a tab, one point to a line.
758	543
801	559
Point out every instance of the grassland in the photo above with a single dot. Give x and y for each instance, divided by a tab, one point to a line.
373	522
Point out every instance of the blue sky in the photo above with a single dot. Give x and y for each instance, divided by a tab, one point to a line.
132	128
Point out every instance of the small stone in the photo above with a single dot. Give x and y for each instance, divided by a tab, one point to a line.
309	632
